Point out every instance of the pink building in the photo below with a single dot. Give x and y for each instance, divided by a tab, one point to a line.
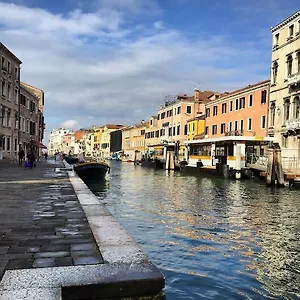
67	143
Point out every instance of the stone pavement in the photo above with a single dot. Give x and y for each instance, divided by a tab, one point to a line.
42	223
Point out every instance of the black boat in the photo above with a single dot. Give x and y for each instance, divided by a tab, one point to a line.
71	160
91	170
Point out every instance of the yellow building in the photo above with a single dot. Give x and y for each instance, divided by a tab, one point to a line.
96	140
196	127
133	141
105	139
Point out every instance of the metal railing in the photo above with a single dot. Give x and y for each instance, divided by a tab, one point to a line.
289	164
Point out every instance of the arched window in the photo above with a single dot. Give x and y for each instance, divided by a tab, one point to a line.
275	71
297	107
272	113
286	109
290	64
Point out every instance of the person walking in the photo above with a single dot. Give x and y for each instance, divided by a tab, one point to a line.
46	155
21	155
31	159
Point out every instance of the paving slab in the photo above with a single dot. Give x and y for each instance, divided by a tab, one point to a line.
41	219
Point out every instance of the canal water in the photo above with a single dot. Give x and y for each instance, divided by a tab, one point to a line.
212	238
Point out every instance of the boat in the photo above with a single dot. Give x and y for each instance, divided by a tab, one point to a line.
91	170
71	160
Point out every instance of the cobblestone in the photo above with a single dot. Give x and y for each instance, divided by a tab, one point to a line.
42	223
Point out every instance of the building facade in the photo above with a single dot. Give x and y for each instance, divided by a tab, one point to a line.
9	102
105	139
56	139
28	121
116	141
284	107
242	112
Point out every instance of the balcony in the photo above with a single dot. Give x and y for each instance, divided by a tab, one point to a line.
293	125
234	133
293	79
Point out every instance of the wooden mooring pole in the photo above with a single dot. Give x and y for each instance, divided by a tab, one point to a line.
275	174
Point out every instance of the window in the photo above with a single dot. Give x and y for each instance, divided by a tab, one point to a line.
275	71
222	128
3	88
158	116
263	122
157	133
230	126
193	126
206	130
224	108
188	109
16	145
236	104
289	65
9	91
249	124
151	122
242	126
174	130
185	129
297	107
215	111
235	125
163	115
16	97
298	61
178	110
284	141
214	129
171	113
276	39
263	96
286	109
8	119
207	112
272	113
16	121
3	61
231	105
16	73
9	67
178	130
250	100
242	103
8	143
291	30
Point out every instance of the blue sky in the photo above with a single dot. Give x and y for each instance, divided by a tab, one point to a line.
113	61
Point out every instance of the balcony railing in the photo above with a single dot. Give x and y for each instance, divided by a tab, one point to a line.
234	133
292	124
293	79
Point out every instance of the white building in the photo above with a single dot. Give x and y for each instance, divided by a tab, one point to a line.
56	140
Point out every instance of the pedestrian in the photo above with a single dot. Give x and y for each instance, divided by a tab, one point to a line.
46	155
31	159
21	155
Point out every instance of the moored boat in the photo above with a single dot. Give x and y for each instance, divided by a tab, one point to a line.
91	170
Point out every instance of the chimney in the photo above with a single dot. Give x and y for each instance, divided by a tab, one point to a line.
197	94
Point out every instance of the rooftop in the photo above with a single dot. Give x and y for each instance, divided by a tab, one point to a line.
9	52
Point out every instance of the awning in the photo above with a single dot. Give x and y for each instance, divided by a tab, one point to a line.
41	145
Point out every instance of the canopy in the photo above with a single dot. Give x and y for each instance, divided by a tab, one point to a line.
41	145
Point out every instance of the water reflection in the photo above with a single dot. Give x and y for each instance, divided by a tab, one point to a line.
213	239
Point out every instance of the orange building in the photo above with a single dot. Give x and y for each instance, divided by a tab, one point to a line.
242	112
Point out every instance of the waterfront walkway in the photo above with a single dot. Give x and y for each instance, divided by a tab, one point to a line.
57	241
42	223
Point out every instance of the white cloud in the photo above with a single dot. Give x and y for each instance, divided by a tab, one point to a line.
95	69
70	124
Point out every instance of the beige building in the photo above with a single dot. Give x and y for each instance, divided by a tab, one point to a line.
9	102
105	139
28	120
284	107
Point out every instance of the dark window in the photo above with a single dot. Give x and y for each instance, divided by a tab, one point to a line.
235	125
207	112
170	131
223	128
188	109
263	122
163	115
214	129
174	130
231	105
171	113
224	108
250	100
236	104
157	133
275	71
161	132
249	124
290	64
158	116
206	130
185	129
178	130
242	126
178	110
242	102
215	111
263	97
